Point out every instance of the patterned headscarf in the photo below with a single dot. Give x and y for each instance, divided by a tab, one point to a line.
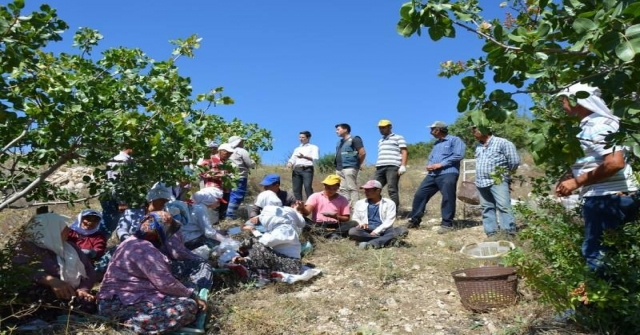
161	222
76	226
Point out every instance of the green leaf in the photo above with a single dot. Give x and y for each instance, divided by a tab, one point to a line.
633	9
406	28
625	49
516	38
405	9
583	25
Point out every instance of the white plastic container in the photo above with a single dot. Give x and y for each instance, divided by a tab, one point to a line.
489	253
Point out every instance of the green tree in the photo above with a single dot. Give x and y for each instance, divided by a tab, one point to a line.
539	49
74	108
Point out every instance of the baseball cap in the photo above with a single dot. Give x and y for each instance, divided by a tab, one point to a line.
438	124
270	179
372	184
331	179
226	147
384	123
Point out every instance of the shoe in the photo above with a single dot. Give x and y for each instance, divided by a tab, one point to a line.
334	237
364	245
444	230
412	225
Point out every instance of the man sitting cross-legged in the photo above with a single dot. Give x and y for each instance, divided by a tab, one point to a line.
375	216
330	214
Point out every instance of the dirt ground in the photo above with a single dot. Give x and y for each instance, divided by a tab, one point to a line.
405	289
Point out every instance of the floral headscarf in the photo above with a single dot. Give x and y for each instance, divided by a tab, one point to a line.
161	222
76	226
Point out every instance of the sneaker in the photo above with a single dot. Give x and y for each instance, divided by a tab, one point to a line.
444	230
364	245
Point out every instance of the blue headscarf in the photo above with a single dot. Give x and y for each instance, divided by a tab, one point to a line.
78	228
161	222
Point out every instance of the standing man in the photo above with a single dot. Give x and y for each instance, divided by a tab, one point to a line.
606	179
301	163
242	161
495	155
443	169
392	160
375	216
112	207
350	155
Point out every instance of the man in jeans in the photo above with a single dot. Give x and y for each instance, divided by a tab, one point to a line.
301	163
242	161
495	155
350	155
375	216
392	160
607	180
443	169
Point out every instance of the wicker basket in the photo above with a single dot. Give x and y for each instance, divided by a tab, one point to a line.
486	288
488	253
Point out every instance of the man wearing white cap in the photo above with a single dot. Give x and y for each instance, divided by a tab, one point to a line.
242	161
608	186
392	160
443	169
375	216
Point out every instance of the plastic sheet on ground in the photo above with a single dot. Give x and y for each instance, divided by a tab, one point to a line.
307	273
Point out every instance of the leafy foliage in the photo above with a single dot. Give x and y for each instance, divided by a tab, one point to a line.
326	163
72	109
540	48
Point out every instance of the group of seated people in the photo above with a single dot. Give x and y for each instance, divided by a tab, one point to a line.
152	281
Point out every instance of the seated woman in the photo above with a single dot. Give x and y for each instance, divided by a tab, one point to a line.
139	289
86	234
264	199
200	230
58	269
278	249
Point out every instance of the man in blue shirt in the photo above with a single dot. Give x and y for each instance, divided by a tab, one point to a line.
495	157
443	169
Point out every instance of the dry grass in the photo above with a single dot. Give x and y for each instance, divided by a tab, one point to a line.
406	289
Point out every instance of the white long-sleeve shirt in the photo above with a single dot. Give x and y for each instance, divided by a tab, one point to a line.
308	150
201	224
387	213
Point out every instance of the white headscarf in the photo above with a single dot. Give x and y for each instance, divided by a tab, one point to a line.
273	216
76	226
593	102
235	141
207	196
44	230
268	198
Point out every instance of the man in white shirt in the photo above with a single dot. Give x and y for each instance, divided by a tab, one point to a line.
301	162
375	216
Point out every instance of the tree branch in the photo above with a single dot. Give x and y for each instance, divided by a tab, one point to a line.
52	203
41	178
17	139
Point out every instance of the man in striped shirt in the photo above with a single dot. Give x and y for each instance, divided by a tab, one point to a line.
607	180
392	160
443	169
495	155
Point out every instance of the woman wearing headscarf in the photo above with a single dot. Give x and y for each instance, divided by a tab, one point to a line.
57	268
200	230
278	249
139	288
86	234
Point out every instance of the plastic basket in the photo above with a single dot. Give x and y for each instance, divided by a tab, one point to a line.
489	253
486	288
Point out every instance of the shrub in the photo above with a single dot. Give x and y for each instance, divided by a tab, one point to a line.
551	262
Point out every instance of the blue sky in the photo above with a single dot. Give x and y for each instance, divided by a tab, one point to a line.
295	65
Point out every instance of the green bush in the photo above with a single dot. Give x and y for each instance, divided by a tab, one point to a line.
326	163
551	262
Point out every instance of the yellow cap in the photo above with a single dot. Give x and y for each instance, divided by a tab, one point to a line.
331	179
384	123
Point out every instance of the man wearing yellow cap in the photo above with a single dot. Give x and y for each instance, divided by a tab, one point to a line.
329	210
392	160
